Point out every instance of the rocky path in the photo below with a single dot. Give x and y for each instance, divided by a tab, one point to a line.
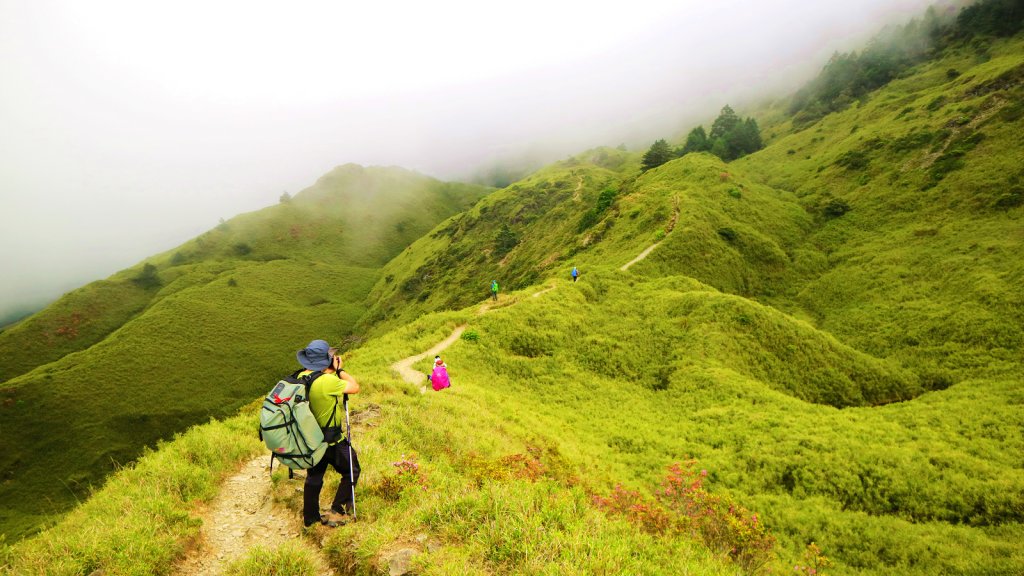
244	515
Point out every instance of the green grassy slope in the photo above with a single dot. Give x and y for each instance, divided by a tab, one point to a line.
697	198
831	327
890	228
75	321
557	399
727	230
352	216
454	265
922	267
142	363
623	377
889	225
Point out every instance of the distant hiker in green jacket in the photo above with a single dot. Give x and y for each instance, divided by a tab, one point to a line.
325	400
494	290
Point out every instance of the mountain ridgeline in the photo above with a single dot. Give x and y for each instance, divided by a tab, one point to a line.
816	364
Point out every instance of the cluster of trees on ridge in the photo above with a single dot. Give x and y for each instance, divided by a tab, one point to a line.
731	137
850	76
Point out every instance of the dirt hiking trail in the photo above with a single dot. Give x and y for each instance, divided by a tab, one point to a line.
642	255
243	515
668	230
404	366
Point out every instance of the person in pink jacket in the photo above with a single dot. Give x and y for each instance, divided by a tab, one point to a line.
439	376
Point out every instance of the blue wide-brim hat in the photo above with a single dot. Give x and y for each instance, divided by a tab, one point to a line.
316	356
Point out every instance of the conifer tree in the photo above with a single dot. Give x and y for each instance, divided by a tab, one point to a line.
658	154
505	241
726	121
696	141
147	278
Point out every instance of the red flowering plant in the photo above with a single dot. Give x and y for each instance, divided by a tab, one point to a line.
683	505
631	505
408	474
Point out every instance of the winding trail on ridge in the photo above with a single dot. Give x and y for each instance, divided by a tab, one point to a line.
642	255
243	514
404	366
668	230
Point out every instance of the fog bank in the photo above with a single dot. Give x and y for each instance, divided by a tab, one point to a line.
130	127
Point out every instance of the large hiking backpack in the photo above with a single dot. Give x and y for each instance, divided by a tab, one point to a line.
439	378
288	427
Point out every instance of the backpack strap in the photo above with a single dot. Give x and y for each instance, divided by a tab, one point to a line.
309	379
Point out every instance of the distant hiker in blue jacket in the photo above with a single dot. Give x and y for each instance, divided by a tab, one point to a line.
494	290
325	394
575	273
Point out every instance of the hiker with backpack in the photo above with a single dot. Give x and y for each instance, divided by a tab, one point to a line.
575	274
439	375
324	393
494	290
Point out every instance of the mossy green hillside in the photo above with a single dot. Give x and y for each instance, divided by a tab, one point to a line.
541	218
843	224
916	192
712	223
352	217
131	362
619	377
562	395
74	322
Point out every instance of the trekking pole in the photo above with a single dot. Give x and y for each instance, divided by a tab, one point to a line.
351	468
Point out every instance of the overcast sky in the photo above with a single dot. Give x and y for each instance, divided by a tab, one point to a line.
129	127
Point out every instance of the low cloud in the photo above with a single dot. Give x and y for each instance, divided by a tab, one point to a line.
129	129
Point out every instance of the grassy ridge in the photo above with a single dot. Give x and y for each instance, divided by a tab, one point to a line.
119	364
726	229
921	266
74	322
453	266
831	326
557	400
201	352
934	473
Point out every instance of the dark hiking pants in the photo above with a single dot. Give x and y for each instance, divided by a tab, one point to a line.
336	456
